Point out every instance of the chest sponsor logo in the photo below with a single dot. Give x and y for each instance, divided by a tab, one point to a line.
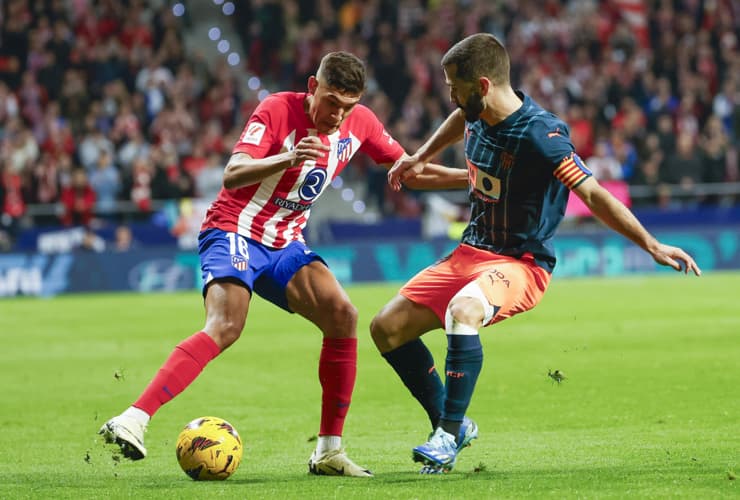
291	205
484	186
312	185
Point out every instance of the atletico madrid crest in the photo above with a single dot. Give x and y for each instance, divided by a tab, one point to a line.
344	149
239	262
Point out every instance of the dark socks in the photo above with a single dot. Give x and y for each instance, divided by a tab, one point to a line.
415	365
463	365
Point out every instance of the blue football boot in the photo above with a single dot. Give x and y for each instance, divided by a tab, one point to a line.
468	432
437	454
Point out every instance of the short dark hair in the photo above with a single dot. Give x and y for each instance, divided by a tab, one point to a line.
479	55
342	71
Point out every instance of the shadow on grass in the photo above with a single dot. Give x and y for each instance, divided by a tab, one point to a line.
634	473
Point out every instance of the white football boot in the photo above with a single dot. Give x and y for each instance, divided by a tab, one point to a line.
335	463
128	434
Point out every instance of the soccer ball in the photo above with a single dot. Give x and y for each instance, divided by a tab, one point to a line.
209	448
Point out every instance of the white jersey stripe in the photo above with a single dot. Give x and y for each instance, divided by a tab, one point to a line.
251	211
262	231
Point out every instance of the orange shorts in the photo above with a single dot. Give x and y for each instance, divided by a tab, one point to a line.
510	285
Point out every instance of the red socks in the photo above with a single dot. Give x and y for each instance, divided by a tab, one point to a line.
182	367
337	373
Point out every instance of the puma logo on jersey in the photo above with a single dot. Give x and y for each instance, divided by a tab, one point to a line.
550	135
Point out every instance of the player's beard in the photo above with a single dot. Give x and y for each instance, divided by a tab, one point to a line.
473	108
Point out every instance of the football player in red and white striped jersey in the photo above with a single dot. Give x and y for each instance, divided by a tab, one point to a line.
291	148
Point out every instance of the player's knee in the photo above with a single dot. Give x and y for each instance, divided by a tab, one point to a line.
225	332
381	330
346	312
342	319
377	327
466	310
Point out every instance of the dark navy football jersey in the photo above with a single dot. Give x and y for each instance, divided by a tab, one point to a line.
520	170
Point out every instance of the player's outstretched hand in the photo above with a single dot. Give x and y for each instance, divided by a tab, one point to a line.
404	169
309	148
676	258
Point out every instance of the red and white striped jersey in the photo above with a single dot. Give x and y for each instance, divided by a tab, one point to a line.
275	210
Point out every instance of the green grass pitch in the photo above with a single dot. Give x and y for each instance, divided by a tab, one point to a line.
650	407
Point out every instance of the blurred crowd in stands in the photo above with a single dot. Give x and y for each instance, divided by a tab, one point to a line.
101	103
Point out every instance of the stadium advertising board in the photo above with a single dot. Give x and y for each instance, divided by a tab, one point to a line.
168	269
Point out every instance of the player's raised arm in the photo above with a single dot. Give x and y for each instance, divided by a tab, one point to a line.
436	176
449	132
618	217
243	170
430	176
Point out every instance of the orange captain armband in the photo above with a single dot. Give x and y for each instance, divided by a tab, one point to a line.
572	171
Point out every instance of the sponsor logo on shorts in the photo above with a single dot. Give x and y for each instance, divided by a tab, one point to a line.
495	276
